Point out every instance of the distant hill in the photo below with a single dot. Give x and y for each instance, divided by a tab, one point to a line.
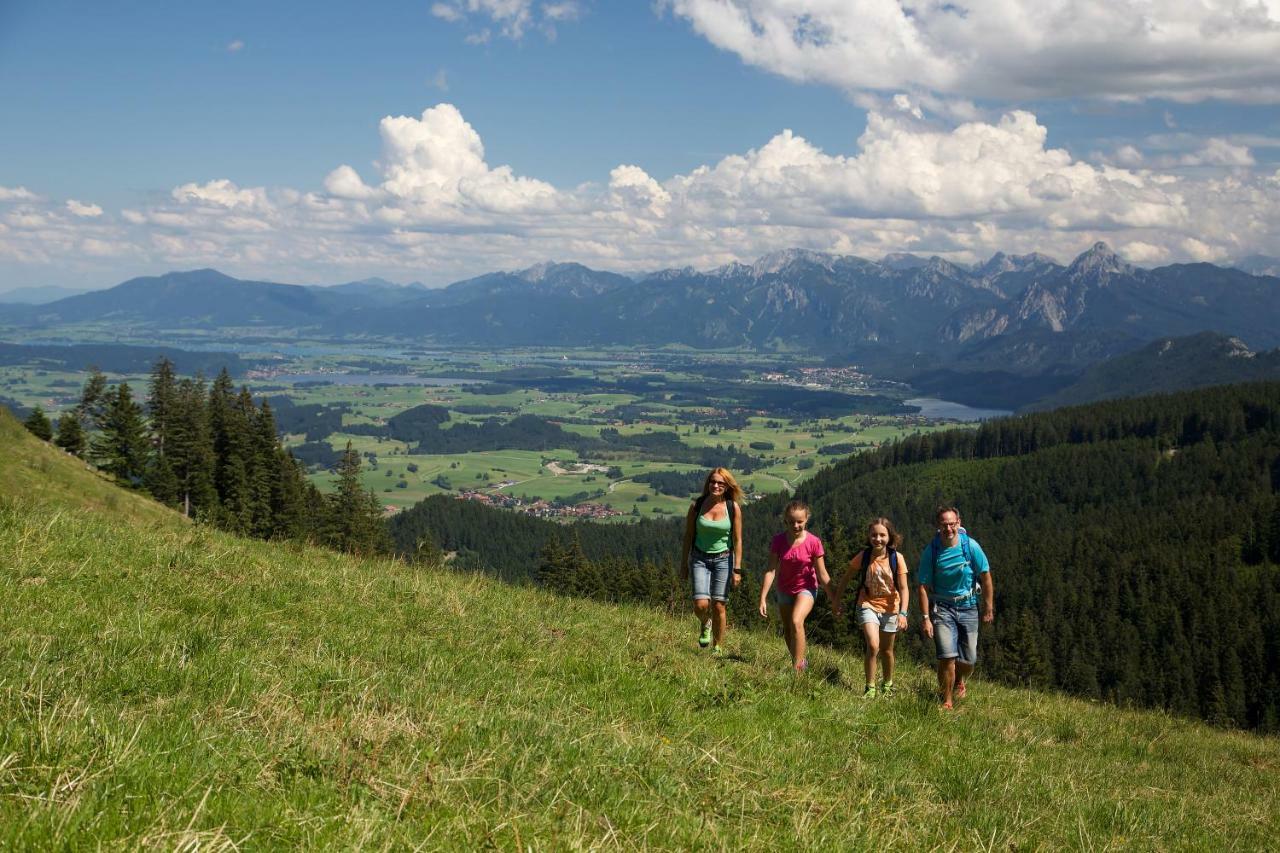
166	684
37	295
1169	364
120	358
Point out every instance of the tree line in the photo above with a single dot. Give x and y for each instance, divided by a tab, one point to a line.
213	453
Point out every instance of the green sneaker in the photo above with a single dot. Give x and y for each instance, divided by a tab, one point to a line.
717	652
886	689
704	639
870	692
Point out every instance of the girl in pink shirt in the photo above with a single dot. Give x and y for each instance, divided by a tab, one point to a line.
796	560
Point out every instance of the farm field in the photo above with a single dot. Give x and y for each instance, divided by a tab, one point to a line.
621	415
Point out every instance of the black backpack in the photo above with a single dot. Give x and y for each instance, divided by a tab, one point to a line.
866	563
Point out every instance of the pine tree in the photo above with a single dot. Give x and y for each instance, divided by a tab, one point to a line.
121	448
553	567
70	434
93	400
265	471
189	450
292	514
161	480
38	425
229	434
355	518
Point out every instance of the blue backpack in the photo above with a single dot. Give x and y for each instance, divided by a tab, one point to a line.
965	550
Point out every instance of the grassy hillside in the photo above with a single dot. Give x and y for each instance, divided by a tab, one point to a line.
170	686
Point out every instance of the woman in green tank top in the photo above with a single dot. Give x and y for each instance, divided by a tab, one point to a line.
712	554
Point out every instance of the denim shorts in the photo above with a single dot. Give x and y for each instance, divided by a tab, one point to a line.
955	631
888	622
710	574
786	599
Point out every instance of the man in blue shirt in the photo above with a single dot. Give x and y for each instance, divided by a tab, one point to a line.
953	568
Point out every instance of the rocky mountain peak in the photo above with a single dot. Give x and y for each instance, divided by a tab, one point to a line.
902	261
777	261
537	272
1098	262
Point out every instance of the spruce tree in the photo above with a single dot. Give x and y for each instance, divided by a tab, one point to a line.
93	400
355	518
121	447
229	433
160	479
38	425
264	471
70	434
189	450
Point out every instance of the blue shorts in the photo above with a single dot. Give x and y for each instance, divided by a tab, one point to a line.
955	631
888	622
786	599
710	574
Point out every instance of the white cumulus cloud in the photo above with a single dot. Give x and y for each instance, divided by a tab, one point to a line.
1007	48
512	18
222	193
433	208
16	194
81	209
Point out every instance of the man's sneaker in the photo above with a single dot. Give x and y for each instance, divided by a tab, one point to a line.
869	692
886	689
717	652
960	690
946	706
802	666
704	639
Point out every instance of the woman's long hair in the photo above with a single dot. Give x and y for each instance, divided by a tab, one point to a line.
895	538
732	491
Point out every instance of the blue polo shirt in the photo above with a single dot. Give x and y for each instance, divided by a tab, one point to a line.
954	578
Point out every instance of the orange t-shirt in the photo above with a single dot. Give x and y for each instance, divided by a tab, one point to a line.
880	592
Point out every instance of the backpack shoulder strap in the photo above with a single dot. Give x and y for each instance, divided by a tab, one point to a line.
732	507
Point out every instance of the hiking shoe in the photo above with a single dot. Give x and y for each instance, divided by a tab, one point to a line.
869	692
717	652
946	706
704	639
960	690
886	689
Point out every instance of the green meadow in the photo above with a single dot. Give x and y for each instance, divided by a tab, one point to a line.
164	685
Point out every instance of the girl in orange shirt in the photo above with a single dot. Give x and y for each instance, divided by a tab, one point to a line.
881	604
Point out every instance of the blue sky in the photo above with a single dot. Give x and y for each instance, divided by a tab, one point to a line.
323	142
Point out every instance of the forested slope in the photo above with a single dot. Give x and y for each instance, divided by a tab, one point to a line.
1135	545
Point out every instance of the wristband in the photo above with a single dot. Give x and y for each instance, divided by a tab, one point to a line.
902	613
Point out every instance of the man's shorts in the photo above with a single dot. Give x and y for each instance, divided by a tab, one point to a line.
710	574
955	631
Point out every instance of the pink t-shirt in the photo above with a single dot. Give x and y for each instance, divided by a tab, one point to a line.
797	564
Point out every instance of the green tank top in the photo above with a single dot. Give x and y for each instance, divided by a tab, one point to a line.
711	537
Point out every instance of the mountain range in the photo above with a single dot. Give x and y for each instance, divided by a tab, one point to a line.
994	325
